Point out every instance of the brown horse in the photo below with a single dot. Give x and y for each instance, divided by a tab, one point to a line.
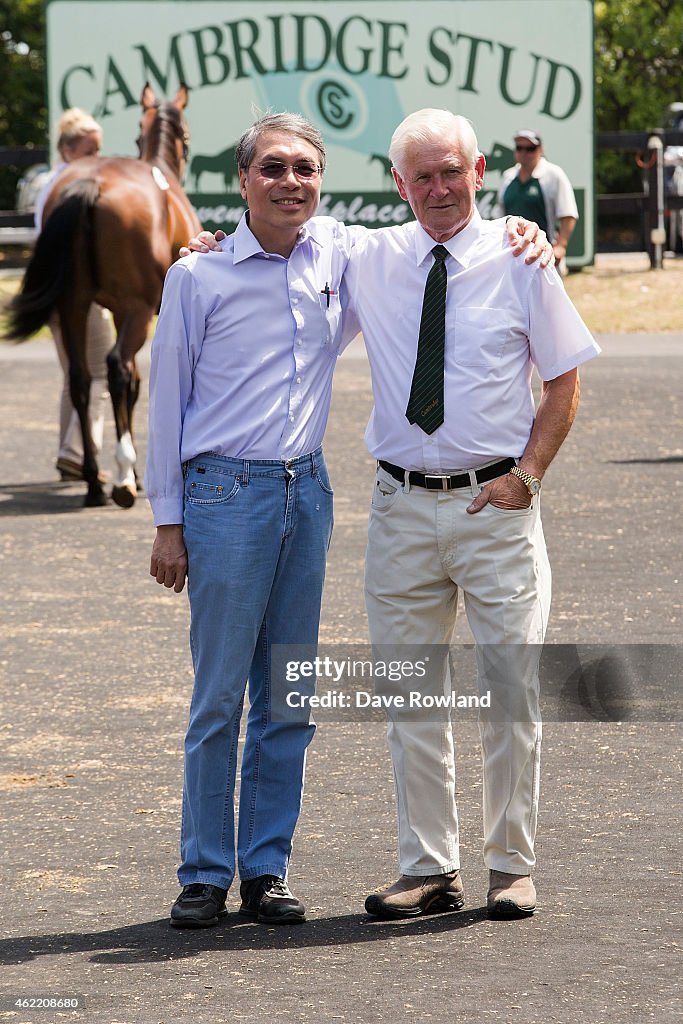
111	229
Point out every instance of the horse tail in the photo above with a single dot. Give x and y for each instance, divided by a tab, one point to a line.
50	272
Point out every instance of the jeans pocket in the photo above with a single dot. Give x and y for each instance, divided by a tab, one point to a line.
323	478
211	489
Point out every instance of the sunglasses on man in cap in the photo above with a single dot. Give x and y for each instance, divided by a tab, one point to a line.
531	137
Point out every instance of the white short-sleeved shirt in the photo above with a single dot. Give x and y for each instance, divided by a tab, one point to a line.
503	317
44	193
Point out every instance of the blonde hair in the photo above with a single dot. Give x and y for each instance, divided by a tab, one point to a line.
429	125
73	125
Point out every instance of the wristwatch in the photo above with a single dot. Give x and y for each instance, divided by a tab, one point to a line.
533	484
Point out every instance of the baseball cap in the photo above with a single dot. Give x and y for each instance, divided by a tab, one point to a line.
529	134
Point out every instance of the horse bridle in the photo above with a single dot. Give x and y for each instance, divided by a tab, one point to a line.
177	124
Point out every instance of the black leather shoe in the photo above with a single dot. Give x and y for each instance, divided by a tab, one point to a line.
199	906
268	899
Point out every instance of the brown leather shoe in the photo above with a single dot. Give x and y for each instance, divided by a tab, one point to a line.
410	896
510	895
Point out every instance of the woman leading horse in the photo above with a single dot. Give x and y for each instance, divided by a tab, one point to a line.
112	227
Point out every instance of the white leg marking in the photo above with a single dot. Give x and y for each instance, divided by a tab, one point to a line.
126	458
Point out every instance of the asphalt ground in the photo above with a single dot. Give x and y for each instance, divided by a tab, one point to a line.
96	681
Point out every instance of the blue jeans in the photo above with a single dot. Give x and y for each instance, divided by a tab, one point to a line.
257	534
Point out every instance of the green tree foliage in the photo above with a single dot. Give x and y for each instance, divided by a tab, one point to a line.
638	73
23	112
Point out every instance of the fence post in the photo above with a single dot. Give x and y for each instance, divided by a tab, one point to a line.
655	204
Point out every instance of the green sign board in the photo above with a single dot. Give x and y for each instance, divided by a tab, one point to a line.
355	69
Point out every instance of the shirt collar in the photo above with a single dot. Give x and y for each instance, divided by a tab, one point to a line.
459	246
539	168
247	244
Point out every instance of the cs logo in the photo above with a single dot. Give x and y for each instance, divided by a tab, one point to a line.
338	102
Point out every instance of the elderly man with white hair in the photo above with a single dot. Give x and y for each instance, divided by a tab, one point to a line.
453	328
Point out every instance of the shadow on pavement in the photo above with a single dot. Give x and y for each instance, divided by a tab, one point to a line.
645	462
41	498
157	941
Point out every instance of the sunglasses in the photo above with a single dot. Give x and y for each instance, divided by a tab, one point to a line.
274	170
526	149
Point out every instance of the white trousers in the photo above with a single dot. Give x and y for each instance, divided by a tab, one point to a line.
422	546
99	342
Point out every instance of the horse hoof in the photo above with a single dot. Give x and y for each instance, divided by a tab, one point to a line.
124	496
95	499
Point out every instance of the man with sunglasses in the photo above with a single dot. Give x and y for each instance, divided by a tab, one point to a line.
540	191
240	389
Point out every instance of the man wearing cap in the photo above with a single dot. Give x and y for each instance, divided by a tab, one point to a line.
541	191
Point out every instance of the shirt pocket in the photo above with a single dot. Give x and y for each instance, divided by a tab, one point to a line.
330	307
481	334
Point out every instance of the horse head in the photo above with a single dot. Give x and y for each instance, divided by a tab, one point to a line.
164	135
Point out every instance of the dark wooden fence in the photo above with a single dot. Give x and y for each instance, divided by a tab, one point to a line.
652	204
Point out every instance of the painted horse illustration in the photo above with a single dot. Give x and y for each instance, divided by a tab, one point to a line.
222	163
111	229
384	163
500	158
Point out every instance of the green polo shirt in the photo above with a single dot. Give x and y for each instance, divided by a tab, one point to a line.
525	199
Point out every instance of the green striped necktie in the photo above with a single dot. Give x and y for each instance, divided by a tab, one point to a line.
425	406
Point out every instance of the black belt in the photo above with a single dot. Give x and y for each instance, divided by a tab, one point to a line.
434	482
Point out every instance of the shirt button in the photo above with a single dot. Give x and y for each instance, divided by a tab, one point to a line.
291	418
299	341
298	380
295	301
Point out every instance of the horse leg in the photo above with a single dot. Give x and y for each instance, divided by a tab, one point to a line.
133	395
124	386
73	316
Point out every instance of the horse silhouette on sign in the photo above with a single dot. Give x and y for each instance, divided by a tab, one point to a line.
500	158
222	163
385	164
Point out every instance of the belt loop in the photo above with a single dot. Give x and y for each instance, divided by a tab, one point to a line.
245	472
406	482
186	469
474	483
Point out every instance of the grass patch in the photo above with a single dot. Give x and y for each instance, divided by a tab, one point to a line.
622	296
